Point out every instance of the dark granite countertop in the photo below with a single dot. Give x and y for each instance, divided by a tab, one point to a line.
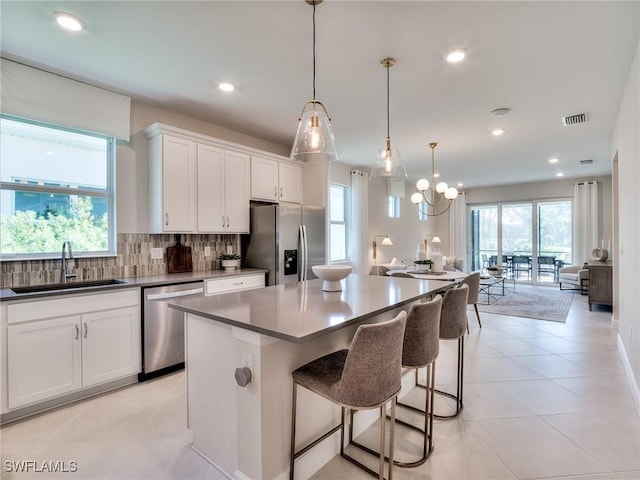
143	281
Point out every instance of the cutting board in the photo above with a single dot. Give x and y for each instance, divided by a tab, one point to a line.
179	258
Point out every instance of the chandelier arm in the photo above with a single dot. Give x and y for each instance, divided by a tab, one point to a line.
433	203
435	214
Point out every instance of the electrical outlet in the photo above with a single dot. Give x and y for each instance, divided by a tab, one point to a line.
247	360
156	254
207	251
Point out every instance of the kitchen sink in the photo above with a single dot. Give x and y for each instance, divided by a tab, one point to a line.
66	286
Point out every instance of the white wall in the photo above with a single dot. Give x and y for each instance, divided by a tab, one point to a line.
625	145
405	232
133	162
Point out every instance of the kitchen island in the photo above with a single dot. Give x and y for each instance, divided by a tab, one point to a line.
244	431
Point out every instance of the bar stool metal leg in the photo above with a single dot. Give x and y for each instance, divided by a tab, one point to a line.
458	396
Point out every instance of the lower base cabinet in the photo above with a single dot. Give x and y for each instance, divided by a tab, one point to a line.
48	357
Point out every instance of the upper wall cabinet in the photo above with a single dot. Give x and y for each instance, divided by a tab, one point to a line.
172	184
275	181
197	183
223	190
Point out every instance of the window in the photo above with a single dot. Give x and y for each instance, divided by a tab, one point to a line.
394	207
56	184
422	211
338	207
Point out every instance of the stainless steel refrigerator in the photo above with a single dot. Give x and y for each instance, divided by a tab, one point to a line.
287	240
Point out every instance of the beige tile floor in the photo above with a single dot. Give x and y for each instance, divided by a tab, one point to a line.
542	400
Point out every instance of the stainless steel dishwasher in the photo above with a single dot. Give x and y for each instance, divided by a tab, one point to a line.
163	328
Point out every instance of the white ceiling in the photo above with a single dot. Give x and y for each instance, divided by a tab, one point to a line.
543	60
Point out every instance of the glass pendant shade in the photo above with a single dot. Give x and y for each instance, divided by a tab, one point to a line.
314	138
387	166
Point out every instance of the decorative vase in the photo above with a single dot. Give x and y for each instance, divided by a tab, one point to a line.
229	264
421	253
436	261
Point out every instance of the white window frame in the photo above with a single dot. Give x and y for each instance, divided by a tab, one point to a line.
108	193
393	206
345	222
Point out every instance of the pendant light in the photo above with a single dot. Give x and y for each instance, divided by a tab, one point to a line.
387	166
442	195
314	138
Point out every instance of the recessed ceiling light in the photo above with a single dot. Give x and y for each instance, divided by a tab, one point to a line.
497	132
226	87
456	55
461	184
68	21
553	160
436	175
559	174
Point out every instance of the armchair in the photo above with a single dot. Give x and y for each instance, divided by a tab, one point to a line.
576	276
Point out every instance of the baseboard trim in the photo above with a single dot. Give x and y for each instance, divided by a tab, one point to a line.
635	389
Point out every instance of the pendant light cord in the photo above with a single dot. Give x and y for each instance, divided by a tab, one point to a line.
388	66
314	50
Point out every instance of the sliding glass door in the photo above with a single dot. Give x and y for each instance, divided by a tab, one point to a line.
530	240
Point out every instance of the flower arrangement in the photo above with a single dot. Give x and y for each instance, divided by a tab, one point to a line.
422	262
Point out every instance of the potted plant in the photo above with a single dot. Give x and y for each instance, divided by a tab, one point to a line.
422	265
229	261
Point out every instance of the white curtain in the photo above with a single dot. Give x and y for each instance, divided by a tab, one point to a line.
458	229
358	246
585	220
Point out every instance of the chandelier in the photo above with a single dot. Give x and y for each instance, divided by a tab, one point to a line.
314	137
387	166
441	195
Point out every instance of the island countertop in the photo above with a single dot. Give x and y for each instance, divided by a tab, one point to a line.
299	312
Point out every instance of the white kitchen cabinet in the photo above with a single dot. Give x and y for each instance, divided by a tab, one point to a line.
275	181
173	189
110	345
44	359
196	183
290	182
223	190
264	179
216	286
62	345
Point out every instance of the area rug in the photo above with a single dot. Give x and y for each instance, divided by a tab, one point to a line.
542	303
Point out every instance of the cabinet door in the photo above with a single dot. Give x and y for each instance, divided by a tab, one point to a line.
264	179
44	359
178	184
211	208
110	345
290	183
237	184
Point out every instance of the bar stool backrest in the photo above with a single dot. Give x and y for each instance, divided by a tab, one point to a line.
372	368
422	334
453	319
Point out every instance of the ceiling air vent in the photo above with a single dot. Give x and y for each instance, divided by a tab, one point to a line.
574	119
586	162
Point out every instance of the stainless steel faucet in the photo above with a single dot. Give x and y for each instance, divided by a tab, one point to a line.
64	276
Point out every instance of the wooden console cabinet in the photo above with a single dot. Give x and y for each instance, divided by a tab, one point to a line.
600	284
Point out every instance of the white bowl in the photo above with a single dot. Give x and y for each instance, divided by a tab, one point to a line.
331	276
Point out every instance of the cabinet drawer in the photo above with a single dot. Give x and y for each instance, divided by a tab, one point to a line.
71	305
233	284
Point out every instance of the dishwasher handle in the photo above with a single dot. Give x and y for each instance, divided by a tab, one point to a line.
181	293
